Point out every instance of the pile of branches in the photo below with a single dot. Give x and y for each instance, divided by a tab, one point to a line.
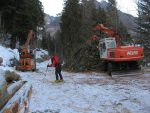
86	58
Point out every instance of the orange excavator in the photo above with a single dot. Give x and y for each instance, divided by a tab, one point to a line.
27	60
115	58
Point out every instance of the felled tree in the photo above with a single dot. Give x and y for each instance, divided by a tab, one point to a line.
86	57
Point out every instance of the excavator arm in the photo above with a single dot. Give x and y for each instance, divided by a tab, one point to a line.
109	32
24	50
106	30
28	39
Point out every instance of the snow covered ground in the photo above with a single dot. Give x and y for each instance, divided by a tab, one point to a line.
7	54
86	92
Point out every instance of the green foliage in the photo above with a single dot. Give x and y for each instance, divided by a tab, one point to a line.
70	28
89	17
101	15
48	43
143	28
58	46
113	20
51	44
19	16
112	14
44	42
86	57
144	22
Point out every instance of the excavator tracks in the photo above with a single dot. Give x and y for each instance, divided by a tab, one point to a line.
126	73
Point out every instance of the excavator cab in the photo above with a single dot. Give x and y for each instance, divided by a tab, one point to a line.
104	45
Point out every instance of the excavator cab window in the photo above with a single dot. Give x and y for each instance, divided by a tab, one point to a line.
102	48
111	44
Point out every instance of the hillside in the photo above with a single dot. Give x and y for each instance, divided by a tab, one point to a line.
127	19
52	23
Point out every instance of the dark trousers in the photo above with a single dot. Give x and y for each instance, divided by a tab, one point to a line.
58	75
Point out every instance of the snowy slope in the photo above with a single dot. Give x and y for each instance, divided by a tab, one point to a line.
40	53
7	54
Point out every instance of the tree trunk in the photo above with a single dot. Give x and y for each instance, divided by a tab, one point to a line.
13	42
0	21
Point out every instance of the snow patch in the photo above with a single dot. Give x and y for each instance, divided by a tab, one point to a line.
7	54
40	53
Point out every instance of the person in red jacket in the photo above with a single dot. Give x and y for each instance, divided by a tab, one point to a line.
57	65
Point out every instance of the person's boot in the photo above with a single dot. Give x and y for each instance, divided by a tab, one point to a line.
61	80
56	81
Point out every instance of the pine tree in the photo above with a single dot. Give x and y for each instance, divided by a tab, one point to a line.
143	27
112	14
89	18
19	16
44	42
114	22
101	15
70	29
144	22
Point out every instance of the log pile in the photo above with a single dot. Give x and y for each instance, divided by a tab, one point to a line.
14	93
19	103
8	89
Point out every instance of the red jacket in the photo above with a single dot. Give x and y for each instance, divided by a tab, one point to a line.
54	61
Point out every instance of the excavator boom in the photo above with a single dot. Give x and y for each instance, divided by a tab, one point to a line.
109	32
25	47
106	30
28	39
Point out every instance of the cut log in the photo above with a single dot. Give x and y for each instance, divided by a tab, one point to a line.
8	92
19	103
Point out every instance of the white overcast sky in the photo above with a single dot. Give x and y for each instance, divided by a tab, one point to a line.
53	7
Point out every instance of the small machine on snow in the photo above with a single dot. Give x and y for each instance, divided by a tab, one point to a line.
114	57
27	61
